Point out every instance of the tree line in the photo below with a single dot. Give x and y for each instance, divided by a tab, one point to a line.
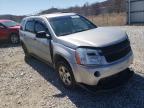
108	6
97	8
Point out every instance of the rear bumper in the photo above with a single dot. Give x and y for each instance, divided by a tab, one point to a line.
86	75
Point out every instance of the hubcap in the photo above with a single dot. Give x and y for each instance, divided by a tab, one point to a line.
65	75
14	39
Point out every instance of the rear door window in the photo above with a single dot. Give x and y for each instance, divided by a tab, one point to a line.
30	26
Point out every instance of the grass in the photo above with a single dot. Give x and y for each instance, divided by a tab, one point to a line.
113	19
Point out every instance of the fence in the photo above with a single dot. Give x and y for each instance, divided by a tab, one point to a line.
135	11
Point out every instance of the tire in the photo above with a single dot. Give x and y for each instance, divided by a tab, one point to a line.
26	52
14	39
65	74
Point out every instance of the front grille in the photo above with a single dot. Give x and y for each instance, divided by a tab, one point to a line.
117	51
110	82
116	80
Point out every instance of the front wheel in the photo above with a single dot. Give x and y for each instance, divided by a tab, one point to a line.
66	74
14	39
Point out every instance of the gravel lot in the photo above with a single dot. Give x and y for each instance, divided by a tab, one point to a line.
33	84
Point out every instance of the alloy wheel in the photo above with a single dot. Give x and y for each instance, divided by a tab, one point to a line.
14	39
65	75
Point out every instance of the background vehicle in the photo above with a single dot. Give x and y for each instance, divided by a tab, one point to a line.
80	51
9	30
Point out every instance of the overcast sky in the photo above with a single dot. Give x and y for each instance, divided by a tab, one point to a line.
24	7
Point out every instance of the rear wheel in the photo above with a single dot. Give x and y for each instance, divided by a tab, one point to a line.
14	39
66	74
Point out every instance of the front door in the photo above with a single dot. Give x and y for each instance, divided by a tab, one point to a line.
43	44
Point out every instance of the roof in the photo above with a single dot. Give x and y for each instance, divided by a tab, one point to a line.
52	15
4	20
57	15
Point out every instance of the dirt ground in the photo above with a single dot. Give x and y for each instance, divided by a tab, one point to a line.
33	84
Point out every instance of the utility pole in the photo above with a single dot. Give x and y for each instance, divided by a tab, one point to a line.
129	12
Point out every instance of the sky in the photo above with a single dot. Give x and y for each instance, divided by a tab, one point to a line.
26	7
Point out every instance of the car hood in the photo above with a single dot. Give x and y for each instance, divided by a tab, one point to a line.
98	37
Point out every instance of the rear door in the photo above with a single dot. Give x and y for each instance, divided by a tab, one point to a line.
3	32
29	36
43	44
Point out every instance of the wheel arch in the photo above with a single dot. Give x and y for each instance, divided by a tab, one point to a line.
59	57
11	33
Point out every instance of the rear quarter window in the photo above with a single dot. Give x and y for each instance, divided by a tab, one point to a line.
22	25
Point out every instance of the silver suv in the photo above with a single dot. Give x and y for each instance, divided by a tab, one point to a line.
81	52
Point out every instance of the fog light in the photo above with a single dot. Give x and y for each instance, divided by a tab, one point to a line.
97	74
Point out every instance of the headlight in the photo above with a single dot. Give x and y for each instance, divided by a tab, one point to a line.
86	56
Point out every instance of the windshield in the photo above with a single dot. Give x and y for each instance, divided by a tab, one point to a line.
70	24
9	23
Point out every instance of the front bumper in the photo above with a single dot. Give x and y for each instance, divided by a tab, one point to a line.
86	74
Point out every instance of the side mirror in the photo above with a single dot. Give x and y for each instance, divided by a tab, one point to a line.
42	35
